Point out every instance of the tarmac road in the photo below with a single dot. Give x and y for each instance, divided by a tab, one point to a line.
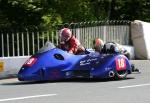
135	89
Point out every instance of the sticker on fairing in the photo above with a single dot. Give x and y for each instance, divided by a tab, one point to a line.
120	64
30	61
1	66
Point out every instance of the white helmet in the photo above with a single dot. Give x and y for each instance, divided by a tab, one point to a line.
110	47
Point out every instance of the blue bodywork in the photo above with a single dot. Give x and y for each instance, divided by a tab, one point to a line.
56	64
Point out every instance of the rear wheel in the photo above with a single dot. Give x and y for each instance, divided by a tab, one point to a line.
121	74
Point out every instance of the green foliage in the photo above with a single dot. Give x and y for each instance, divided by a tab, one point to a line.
27	14
74	10
46	14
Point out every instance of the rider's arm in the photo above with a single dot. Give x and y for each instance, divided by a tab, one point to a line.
73	47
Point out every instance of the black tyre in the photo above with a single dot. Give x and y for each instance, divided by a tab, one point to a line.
128	55
121	74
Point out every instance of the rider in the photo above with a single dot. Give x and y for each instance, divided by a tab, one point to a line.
69	42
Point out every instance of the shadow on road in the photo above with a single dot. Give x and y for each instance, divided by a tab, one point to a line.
66	81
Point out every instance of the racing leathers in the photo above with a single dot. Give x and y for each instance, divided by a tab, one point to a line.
72	46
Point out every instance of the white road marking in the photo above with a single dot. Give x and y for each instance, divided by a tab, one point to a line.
132	86
27	97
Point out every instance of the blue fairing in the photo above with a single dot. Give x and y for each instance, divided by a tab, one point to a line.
56	64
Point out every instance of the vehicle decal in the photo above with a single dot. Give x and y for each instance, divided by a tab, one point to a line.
120	64
1	66
88	61
108	68
30	61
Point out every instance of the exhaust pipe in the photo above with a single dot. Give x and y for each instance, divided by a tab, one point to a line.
111	74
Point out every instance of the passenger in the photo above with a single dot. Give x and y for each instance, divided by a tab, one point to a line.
98	44
69	42
109	47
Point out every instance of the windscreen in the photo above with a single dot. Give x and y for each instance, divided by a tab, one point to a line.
46	47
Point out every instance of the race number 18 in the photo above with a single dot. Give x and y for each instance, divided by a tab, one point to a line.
120	64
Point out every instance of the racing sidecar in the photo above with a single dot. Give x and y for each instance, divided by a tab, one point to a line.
52	63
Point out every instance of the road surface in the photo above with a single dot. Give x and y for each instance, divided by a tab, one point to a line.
135	89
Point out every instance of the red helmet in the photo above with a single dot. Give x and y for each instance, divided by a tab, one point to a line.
65	34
